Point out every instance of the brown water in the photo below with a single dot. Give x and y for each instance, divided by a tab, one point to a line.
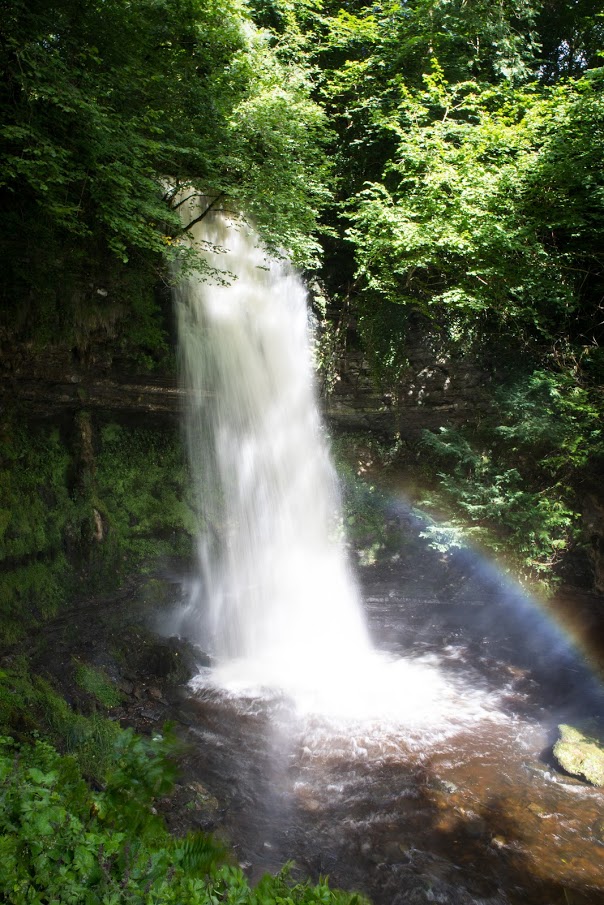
468	807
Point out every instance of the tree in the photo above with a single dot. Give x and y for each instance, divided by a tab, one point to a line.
106	104
571	37
492	206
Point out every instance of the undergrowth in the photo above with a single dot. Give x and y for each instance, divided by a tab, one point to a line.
30	707
94	681
61	842
509	484
78	822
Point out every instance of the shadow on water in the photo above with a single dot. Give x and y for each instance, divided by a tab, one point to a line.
437	601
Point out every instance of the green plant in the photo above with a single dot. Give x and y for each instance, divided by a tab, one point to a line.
29	705
98	684
143	492
508	485
365	519
60	842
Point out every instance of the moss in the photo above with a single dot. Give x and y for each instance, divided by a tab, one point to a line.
36	506
81	298
580	755
30	706
143	492
81	510
34	494
98	684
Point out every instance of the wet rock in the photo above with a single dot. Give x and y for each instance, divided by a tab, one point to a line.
537	810
126	687
172	659
151	716
156	695
161	660
204	807
443	785
394	851
580	755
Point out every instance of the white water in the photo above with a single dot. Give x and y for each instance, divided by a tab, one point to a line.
275	589
275	603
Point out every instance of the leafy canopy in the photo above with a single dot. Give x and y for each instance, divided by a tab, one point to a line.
106	103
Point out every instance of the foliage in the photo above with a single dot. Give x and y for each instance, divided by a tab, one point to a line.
29	706
366	521
507	485
87	98
59	842
98	684
371	53
463	223
107	108
471	190
571	38
469	148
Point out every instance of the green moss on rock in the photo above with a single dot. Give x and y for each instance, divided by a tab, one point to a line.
81	509
580	755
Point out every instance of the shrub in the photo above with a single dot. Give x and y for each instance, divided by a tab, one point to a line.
61	843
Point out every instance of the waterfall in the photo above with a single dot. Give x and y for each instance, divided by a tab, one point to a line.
274	593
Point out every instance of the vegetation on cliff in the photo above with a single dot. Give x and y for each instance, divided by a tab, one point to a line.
81	509
469	141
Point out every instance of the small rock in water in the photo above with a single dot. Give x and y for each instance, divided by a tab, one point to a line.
580	755
537	810
156	694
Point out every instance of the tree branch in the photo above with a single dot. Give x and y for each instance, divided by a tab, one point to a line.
188	198
204	213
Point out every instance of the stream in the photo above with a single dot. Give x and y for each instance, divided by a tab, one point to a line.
453	795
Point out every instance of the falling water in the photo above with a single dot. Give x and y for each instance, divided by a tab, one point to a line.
274	602
275	593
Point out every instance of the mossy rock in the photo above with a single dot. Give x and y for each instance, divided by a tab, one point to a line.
580	755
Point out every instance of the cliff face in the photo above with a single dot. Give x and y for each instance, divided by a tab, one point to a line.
52	386
437	389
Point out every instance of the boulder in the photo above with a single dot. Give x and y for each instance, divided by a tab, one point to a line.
580	755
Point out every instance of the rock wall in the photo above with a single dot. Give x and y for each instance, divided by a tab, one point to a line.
593	520
55	379
440	387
